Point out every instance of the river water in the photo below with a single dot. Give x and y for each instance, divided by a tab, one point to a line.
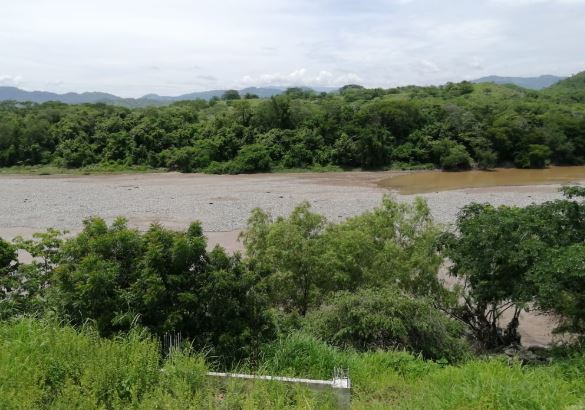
437	181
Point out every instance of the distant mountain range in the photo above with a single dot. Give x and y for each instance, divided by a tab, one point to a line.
533	83
16	94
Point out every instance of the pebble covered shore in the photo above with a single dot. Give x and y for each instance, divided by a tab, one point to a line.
221	202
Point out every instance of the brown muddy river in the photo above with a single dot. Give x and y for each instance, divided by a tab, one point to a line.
436	181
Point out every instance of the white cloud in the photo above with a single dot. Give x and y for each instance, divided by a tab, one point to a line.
535	2
303	77
428	66
10	80
134	47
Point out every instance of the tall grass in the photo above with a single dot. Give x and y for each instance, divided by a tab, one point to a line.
42	364
47	365
397	379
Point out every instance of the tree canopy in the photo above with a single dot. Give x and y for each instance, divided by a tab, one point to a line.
454	127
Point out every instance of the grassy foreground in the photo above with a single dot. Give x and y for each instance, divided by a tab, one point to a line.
47	365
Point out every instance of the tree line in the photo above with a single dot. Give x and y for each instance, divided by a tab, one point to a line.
455	126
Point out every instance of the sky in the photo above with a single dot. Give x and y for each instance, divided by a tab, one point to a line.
171	47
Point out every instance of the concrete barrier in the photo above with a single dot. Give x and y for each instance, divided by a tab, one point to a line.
340	384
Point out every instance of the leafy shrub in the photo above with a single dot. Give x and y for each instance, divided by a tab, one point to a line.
252	158
456	158
164	280
186	159
7	257
302	258
536	156
387	318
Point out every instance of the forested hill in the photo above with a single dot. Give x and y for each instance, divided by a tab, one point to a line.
572	88
576	82
533	83
16	94
455	126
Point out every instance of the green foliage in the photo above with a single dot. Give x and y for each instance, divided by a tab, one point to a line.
231	95
288	249
303	258
573	191
7	257
386	319
44	365
251	158
486	158
559	278
310	296
394	243
494	384
65	368
163	280
23	287
569	90
189	159
451	156
302	355
536	156
510	257
491	256
9	282
453	126
399	380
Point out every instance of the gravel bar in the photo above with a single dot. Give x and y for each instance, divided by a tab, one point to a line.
221	202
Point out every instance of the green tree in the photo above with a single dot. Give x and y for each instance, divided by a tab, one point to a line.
252	158
303	258
288	250
163	280
450	155
559	278
491	256
536	156
231	95
507	258
393	243
26	285
7	257
8	283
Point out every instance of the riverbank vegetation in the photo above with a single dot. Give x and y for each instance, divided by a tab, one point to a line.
85	320
453	127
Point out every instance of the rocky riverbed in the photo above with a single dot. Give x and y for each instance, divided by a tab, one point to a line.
223	204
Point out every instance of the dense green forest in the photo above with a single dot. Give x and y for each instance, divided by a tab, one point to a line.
455	126
82	322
